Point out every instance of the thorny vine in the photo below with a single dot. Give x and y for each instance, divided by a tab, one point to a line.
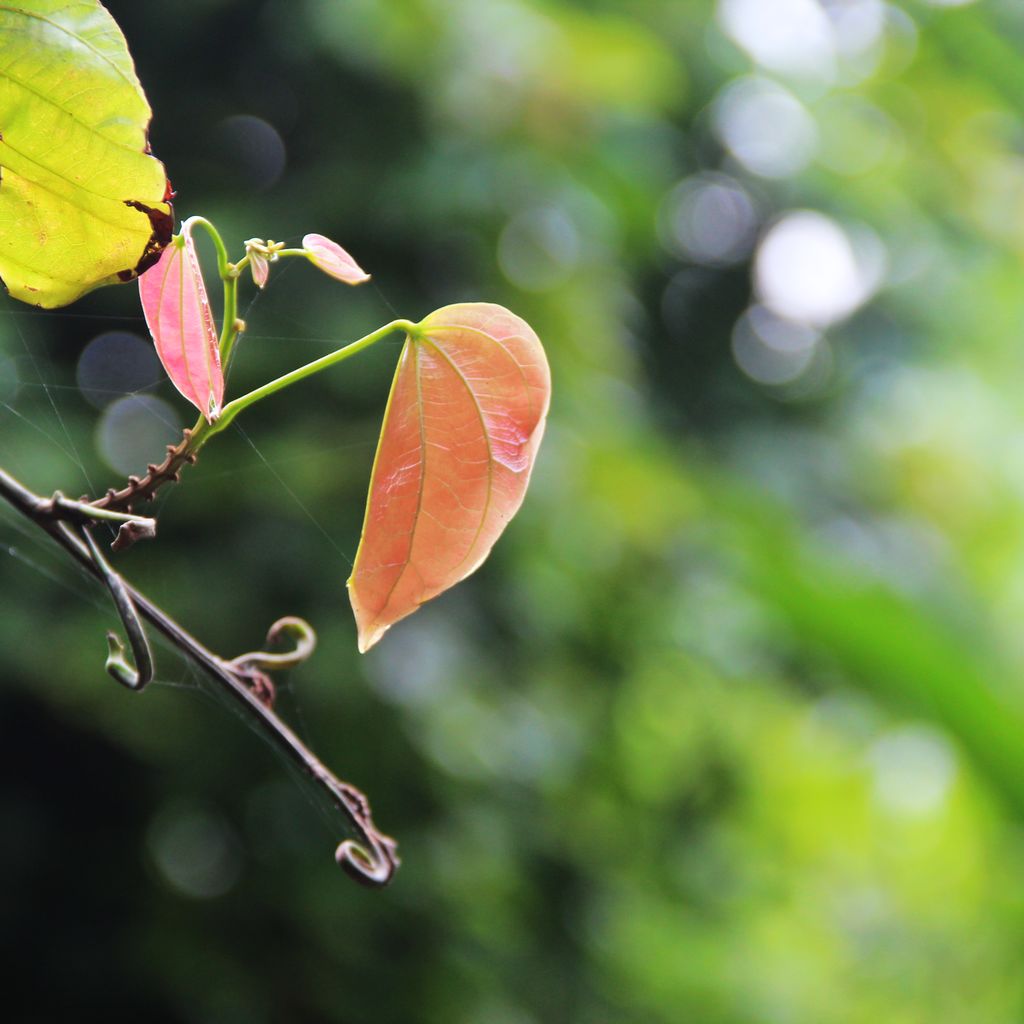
142	489
371	858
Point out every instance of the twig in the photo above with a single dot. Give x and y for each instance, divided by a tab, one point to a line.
141	489
371	858
138	677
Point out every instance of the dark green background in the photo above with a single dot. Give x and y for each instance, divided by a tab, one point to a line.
729	728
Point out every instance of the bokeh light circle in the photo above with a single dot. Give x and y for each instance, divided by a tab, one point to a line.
710	219
765	127
115	364
808	269
255	152
135	431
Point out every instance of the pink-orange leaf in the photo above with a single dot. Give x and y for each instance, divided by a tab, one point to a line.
333	260
177	311
462	427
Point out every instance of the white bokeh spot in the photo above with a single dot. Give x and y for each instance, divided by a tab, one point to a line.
787	36
810	270
765	127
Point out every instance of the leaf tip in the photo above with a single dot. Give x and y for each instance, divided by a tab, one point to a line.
213	409
365	641
368	627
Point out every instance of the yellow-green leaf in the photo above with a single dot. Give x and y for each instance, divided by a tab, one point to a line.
82	201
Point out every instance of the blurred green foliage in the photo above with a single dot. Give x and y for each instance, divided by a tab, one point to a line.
729	728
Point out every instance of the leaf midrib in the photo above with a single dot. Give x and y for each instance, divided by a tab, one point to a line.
487	439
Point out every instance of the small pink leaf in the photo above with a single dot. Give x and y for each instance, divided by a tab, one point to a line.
462	427
258	265
177	311
333	260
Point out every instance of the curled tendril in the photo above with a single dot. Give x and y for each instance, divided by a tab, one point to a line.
371	858
135	677
253	666
371	864
291	626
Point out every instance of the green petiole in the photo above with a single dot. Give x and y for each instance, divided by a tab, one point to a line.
229	275
204	431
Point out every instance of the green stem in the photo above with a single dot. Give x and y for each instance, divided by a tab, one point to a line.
223	266
89	511
229	276
229	328
204	431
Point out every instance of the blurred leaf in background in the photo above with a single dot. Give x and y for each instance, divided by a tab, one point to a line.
729	728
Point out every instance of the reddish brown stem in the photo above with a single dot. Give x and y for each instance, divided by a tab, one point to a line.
371	858
143	489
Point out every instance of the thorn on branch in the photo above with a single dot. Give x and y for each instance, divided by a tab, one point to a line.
143	489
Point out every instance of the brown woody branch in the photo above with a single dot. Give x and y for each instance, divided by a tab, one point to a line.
371	858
